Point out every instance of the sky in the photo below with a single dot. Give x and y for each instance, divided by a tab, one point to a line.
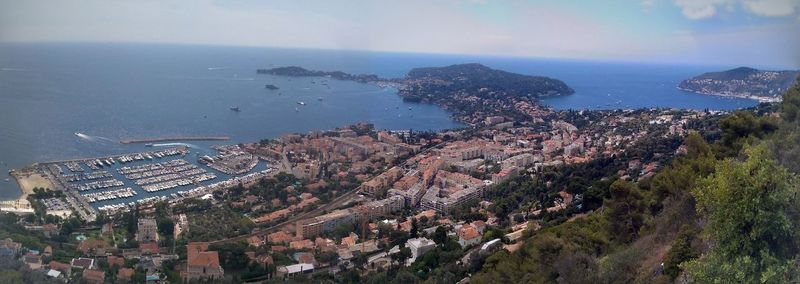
757	33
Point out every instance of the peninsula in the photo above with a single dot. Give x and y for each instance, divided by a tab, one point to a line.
470	91
742	82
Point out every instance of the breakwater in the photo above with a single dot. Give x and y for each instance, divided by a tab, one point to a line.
173	139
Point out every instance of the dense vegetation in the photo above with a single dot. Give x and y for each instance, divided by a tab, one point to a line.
725	212
742	80
478	79
295	71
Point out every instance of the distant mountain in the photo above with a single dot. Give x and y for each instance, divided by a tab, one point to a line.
743	82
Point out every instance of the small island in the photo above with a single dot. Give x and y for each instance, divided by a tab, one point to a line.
742	82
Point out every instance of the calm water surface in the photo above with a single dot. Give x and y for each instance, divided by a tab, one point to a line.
122	91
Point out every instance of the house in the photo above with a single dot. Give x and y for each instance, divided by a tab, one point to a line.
350	240
201	263
418	247
32	261
304	257
279	237
295	269
107	229
116	260
255	241
265	259
302	244
53	273
93	247
82	263
50	230
149	248
94	276
479	225
125	274
60	266
147	231
468	236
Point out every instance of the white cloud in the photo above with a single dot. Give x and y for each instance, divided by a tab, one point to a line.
522	29
772	8
700	9
704	9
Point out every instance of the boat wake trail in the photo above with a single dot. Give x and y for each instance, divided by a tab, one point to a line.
175	144
216	68
93	138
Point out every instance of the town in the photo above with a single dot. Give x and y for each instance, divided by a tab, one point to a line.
342	202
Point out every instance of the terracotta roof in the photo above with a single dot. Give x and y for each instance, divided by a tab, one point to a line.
196	255
255	241
279	237
149	248
91	275
468	233
348	241
301	244
87	245
59	266
119	261
267	259
125	273
206	258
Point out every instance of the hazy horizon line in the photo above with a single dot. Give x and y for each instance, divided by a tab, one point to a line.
766	67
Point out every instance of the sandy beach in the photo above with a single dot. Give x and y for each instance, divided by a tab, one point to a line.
27	182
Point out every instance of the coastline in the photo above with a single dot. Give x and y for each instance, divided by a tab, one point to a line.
759	99
26	181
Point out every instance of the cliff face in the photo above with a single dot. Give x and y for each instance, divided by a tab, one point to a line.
742	82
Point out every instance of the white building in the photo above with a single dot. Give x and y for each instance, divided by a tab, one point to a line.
418	247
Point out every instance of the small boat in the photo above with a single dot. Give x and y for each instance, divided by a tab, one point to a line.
7	180
296	110
319	99
409	108
148	145
236	109
301	103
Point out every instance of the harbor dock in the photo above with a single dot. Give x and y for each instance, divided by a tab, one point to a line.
174	139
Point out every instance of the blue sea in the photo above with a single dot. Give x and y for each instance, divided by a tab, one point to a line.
109	92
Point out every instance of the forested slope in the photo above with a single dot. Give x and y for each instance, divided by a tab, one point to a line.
727	212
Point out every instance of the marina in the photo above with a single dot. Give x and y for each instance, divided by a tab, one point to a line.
109	195
115	183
